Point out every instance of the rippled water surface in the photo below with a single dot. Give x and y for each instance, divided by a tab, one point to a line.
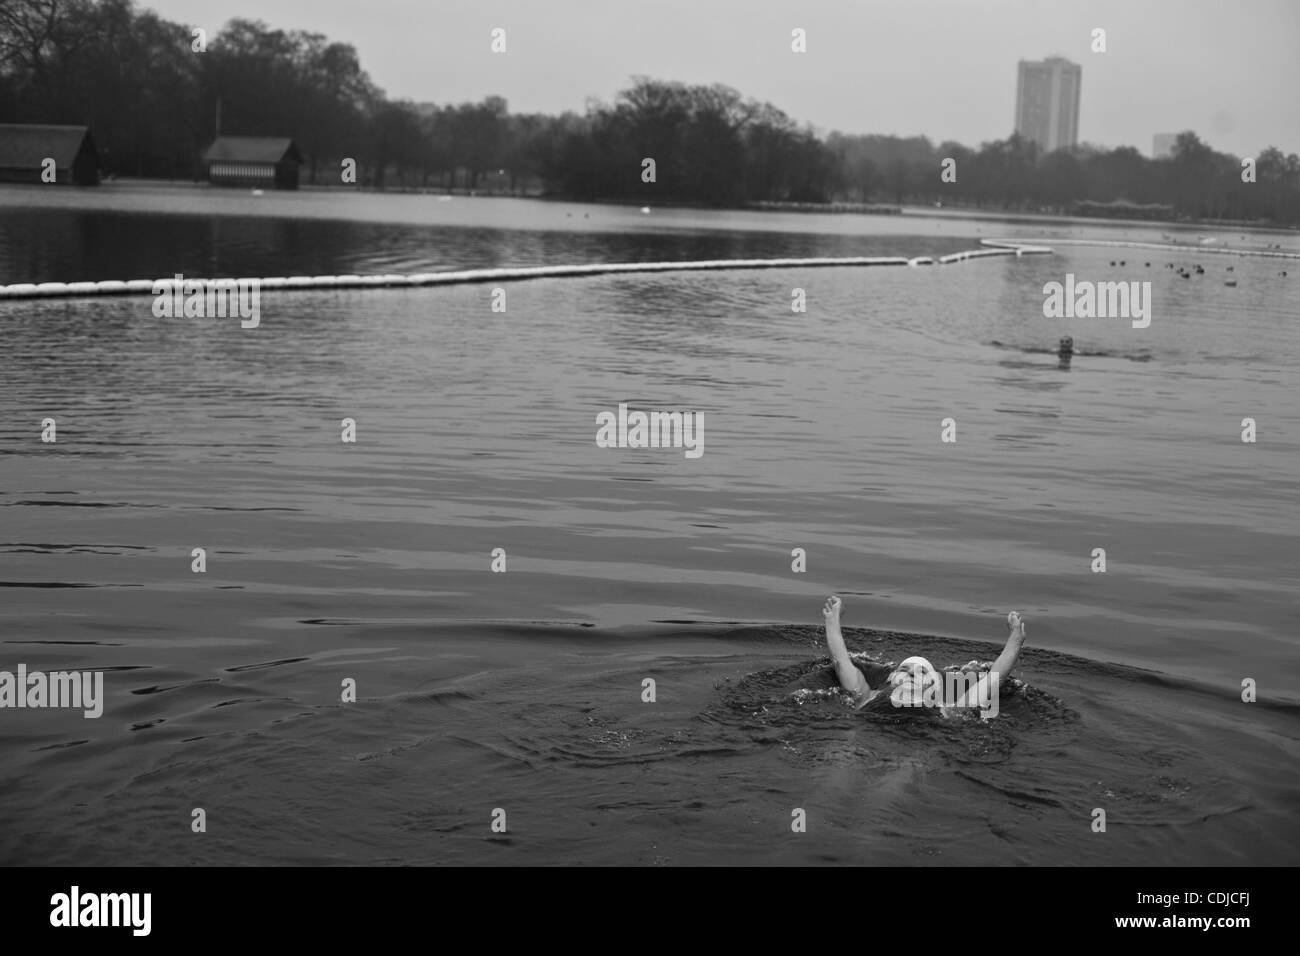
523	690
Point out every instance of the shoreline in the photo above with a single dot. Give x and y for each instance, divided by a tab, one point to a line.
74	198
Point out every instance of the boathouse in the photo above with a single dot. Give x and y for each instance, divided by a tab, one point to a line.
25	152
253	161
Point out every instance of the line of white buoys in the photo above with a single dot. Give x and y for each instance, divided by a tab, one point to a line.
1198	249
997	247
47	290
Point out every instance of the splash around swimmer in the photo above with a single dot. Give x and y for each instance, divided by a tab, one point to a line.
916	683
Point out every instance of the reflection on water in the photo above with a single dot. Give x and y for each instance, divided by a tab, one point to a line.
74	245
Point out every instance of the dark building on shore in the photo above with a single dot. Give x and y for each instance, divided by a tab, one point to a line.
26	152
253	161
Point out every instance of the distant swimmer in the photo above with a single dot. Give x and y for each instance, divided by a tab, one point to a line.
1064	350
916	683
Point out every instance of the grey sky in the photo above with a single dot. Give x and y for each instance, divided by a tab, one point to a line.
1228	69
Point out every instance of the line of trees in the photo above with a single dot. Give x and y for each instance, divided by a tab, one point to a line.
1195	182
152	100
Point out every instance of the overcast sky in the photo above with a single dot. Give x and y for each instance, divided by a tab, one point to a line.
1228	69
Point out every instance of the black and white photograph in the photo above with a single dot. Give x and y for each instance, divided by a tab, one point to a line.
514	434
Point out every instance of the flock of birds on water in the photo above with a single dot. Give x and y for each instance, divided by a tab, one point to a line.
1197	268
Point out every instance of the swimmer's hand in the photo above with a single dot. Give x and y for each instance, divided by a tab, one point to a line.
832	607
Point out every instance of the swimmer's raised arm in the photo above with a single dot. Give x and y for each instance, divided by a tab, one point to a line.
986	687
850	677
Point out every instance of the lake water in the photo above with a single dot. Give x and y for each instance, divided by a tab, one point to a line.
523	690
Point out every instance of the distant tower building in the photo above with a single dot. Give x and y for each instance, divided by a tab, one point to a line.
1162	145
1047	102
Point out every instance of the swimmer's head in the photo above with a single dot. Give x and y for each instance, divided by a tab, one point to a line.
914	680
1067	345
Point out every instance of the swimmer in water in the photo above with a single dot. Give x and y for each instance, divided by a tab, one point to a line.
1065	351
915	682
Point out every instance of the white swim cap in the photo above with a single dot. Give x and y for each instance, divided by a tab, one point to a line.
915	668
911	680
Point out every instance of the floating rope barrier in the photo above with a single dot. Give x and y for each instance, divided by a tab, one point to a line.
49	290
